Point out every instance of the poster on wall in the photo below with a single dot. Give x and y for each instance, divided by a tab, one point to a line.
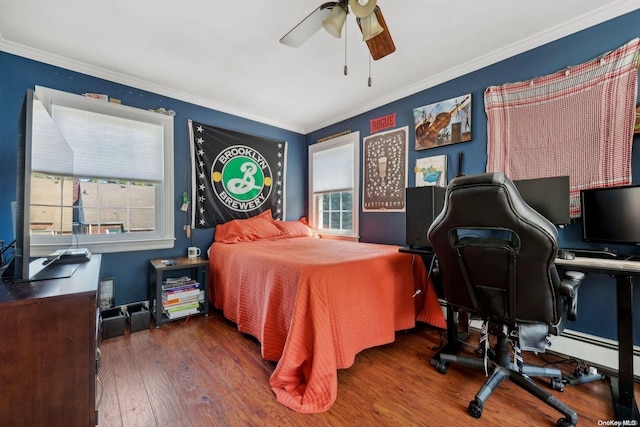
443	123
234	175
384	171
431	171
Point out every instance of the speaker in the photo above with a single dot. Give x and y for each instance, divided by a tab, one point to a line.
423	204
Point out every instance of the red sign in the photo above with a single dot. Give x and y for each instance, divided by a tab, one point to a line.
382	123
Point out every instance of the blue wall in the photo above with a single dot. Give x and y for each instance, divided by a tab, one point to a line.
597	299
597	312
130	269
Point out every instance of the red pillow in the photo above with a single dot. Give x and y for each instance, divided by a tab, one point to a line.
296	229
259	227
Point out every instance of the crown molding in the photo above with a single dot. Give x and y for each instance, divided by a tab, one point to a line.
102	73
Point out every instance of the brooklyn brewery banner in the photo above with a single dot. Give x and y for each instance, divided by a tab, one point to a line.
234	175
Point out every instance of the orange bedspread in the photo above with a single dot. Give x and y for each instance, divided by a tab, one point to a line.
314	304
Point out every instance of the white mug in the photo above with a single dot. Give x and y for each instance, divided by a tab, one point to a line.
193	252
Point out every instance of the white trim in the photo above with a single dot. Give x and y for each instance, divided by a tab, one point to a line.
107	247
349	138
594	350
163	235
102	73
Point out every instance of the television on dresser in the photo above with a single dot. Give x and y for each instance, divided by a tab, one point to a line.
18	268
611	214
35	126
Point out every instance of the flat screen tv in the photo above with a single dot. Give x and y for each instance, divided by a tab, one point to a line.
549	196
32	120
18	268
611	215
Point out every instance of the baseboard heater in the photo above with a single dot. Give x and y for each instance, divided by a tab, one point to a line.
599	352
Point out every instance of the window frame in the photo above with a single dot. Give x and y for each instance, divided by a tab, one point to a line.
163	236
352	139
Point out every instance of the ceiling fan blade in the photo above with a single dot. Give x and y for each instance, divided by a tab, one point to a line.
382	44
308	26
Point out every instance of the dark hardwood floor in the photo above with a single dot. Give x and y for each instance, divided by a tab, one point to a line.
206	373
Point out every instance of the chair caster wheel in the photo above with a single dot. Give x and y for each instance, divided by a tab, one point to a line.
442	367
474	409
556	384
563	422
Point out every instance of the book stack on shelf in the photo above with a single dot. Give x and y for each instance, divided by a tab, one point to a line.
180	297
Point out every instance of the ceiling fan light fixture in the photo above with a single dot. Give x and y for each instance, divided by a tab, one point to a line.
335	21
362	8
370	27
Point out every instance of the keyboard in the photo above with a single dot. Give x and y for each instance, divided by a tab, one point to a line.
595	253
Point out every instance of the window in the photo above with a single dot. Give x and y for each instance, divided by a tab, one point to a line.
333	186
102	175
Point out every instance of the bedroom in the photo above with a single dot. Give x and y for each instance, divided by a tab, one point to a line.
130	269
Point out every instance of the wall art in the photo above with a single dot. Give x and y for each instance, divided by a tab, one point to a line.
443	123
384	171
431	171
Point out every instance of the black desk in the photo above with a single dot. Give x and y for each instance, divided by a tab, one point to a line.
453	343
623	271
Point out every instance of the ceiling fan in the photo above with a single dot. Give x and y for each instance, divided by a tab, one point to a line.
332	16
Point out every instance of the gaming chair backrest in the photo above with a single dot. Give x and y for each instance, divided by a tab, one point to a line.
486	237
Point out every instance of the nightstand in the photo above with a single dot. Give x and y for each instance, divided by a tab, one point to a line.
198	271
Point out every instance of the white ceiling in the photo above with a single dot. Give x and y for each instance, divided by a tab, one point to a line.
226	55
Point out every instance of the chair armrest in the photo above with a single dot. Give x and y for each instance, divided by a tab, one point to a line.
569	289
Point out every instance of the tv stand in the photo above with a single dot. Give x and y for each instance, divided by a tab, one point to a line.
49	340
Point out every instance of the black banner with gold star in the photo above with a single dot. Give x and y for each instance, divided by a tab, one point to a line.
234	175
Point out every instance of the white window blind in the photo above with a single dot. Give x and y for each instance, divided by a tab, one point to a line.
79	136
333	179
50	154
105	146
333	168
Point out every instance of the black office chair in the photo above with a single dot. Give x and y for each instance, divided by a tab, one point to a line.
496	258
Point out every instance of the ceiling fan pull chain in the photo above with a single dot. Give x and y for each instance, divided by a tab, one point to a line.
369	81
369	56
345	51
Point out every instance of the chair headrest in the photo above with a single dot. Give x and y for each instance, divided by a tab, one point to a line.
492	200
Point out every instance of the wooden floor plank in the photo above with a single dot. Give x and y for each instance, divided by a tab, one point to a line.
133	400
206	373
107	394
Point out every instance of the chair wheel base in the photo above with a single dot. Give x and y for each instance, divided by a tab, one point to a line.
557	384
475	410
442	367
563	422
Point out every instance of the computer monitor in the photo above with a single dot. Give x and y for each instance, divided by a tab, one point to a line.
610	215
549	196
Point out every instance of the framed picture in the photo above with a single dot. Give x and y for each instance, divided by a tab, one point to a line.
106	292
384	171
443	123
431	171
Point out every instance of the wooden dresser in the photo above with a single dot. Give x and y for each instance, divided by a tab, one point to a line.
48	350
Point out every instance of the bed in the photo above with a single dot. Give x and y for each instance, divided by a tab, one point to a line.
312	303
